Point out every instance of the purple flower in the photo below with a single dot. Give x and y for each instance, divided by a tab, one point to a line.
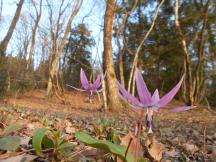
152	103
88	86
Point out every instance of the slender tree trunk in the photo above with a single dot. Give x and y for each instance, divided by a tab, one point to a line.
104	96
193	86
120	59
136	55
121	67
49	86
59	52
120	56
112	88
199	79
34	31
185	98
133	86
4	43
189	82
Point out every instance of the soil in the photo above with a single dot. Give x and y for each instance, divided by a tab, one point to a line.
181	132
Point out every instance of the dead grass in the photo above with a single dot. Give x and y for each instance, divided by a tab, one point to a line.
77	102
78	105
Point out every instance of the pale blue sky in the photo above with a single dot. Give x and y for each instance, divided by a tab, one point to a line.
92	12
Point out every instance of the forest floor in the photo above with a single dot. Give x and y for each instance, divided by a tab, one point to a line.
185	136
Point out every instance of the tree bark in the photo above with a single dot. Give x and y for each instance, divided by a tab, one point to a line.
56	53
112	88
136	54
120	59
189	82
104	96
194	84
37	20
121	67
4	43
199	80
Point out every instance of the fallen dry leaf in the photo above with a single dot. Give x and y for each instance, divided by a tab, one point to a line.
70	130
60	125
155	148
191	147
135	145
34	125
22	157
86	152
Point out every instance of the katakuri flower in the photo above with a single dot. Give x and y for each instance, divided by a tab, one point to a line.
88	86
152	103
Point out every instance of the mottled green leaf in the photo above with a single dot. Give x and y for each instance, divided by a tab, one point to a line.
37	139
11	129
47	142
104	145
10	143
66	145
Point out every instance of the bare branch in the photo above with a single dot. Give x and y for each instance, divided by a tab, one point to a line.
136	55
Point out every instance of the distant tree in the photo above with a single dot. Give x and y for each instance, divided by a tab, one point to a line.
162	56
134	27
77	54
59	35
38	13
3	47
192	35
5	41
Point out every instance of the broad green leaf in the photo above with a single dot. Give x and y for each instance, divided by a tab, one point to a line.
113	137
142	160
37	139
66	145
47	142
104	145
10	143
12	128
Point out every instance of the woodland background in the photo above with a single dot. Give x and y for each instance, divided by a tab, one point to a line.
165	39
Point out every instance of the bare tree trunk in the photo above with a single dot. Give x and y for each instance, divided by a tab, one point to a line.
120	59
189	82
185	85
49	86
121	68
112	88
104	96
37	20
193	86
201	59
136	55
4	43
59	52
133	86
120	55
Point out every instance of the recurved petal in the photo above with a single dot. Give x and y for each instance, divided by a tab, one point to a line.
183	108
169	96
97	83
128	96
78	89
155	97
84	80
125	100
143	92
